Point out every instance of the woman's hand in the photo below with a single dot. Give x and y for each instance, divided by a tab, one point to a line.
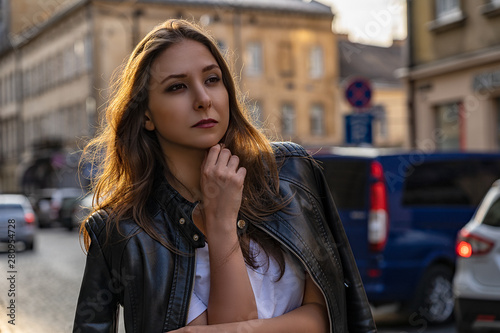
222	186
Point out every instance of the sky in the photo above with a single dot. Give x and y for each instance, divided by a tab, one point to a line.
375	22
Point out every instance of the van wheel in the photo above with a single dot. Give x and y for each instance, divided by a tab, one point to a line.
434	300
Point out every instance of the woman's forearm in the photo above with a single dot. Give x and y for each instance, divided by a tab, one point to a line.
231	296
308	318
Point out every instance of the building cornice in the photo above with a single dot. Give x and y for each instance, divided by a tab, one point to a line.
304	8
453	64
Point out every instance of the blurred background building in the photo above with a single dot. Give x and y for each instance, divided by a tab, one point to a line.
454	74
58	58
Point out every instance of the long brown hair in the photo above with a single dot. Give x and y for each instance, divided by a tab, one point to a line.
131	156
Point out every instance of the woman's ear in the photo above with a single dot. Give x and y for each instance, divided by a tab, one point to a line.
148	123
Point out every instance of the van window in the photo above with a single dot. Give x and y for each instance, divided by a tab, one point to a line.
347	180
453	183
493	216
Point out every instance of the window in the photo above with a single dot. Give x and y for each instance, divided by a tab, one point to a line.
316	62
6	90
68	63
253	61
492	217
288	120
448	9
2	12
347	181
317	120
448	127
461	182
285	59
27	85
12	138
28	132
2	98
35	79
79	53
498	123
58	74
17	83
12	84
88	52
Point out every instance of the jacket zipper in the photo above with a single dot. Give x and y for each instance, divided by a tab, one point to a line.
308	271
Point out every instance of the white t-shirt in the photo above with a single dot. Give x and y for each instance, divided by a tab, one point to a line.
273	298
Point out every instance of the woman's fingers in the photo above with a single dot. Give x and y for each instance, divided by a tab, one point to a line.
212	156
221	159
233	163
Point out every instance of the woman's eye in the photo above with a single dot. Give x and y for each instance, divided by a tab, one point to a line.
175	87
213	79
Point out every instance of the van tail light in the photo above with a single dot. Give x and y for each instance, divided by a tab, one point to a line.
469	244
378	222
29	218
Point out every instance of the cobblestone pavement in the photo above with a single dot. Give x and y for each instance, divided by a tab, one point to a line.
47	284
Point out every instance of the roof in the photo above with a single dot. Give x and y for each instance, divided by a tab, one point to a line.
311	7
415	155
376	63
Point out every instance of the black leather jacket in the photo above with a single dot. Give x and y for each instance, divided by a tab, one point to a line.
153	284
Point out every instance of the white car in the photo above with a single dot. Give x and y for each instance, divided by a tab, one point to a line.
476	285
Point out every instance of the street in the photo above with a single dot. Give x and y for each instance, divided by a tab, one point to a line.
46	286
47	283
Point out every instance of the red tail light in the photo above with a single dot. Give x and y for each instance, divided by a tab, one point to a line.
469	244
29	218
378	223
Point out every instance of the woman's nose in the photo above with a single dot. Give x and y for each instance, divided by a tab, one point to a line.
202	99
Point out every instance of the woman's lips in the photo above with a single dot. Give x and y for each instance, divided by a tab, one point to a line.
206	123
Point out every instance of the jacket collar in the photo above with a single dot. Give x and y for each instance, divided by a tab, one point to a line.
170	207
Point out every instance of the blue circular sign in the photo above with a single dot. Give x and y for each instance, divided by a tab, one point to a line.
359	93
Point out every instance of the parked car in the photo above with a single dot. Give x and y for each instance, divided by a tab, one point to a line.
477	279
50	202
41	205
74	211
60	195
401	212
17	222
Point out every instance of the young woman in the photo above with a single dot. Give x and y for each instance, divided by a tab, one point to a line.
201	224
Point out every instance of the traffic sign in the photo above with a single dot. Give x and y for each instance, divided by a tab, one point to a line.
359	92
358	128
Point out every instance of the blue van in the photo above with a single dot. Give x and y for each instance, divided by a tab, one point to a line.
401	212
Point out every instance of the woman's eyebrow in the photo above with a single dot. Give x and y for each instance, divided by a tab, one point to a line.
180	76
173	76
210	67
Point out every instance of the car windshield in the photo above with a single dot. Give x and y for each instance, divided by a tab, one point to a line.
492	217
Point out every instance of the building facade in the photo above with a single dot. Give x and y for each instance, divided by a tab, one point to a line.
454	74
57	69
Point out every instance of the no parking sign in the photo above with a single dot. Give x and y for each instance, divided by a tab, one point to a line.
359	92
